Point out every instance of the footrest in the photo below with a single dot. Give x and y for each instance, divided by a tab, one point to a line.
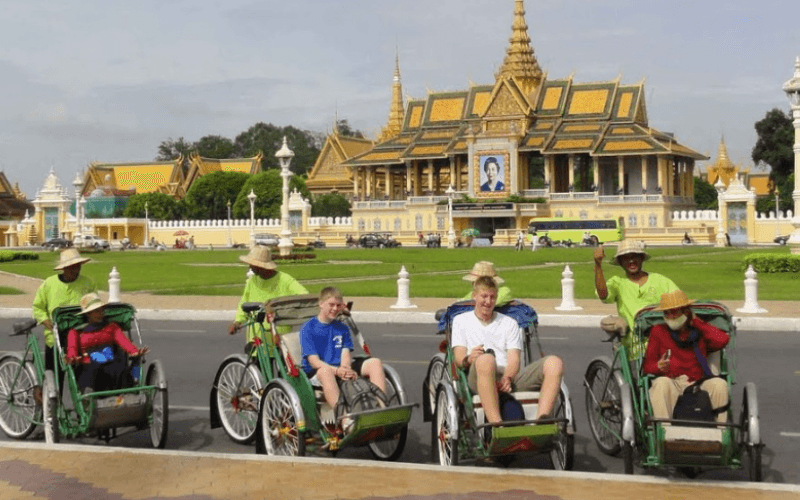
522	438
120	411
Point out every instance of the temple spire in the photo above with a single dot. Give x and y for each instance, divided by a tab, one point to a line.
520	62
397	109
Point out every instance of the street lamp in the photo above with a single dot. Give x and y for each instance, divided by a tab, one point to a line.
451	233
82	204
77	183
792	89
229	223
252	198
146	227
777	212
284	156
721	240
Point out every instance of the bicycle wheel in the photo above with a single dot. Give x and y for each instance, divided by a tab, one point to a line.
160	407
52	432
445	426
750	433
562	455
604	407
238	398
437	371
391	448
279	417
19	406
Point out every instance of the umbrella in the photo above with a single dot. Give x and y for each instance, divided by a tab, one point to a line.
470	232
180	232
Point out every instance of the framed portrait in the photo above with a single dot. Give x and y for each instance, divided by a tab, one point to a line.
492	176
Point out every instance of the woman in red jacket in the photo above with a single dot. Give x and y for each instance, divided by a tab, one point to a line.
671	356
91	348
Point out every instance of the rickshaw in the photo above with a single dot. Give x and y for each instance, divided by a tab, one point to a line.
264	395
30	395
457	417
620	412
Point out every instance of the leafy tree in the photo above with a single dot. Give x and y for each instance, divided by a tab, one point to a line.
705	195
774	145
160	206
268	139
331	205
268	187
171	149
346	130
208	196
215	146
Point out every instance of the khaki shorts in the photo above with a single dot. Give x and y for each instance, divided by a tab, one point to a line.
529	378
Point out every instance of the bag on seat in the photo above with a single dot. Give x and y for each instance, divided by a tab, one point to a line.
694	404
510	408
360	395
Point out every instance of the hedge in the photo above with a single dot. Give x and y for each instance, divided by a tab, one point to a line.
772	263
9	255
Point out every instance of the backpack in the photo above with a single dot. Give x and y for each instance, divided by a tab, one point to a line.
359	395
510	408
694	404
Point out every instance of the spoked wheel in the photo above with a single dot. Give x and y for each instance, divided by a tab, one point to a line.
604	407
19	404
750	433
562	456
52	432
390	449
279	417
446	426
436	373
238	398
160	406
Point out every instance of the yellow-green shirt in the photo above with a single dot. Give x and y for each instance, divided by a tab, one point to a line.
54	293
260	290
503	296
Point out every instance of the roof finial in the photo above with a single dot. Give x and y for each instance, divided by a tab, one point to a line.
397	108
520	61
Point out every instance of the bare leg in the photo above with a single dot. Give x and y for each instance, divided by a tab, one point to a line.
551	386
330	389
486	367
373	370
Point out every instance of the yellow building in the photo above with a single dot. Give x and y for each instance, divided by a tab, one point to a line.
723	168
14	206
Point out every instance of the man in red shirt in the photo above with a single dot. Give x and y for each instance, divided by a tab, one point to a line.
671	356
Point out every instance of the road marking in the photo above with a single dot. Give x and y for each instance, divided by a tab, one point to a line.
403	362
189	408
791	434
553	338
179	331
411	335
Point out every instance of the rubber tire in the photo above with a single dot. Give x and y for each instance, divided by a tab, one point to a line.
562	456
52	430
437	371
18	426
446	426
389	450
627	457
596	375
276	405
159	425
754	465
254	380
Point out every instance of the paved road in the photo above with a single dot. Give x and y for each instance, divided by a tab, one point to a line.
191	352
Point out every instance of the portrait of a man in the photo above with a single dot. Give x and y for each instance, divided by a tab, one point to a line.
492	173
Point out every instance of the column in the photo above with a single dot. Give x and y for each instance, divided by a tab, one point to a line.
596	172
644	173
453	172
621	173
548	165
356	175
388	180
417	179
571	172
430	177
457	186
661	168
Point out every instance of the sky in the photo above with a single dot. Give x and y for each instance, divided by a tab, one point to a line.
109	80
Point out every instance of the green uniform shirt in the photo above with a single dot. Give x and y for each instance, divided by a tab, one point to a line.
53	293
503	296
631	298
260	290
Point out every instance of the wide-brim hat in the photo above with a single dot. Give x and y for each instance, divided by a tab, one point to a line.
673	300
90	302
259	256
70	257
483	268
629	247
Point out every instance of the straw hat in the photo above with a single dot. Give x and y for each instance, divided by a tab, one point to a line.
673	300
70	257
483	268
259	256
628	247
90	302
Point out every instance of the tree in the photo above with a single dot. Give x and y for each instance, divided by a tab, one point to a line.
268	139
268	188
208	196
705	195
346	130
215	146
331	205
774	145
160	206
172	150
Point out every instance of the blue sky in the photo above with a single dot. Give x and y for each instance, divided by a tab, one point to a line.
109	80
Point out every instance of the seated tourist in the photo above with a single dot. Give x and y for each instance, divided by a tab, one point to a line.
485	268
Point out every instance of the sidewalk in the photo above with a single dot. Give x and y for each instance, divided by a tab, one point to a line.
780	315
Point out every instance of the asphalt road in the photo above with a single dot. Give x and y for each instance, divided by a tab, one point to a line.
192	351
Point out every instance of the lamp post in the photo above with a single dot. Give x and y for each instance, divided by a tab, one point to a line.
721	240
77	183
82	204
229	223
792	89
451	233
284	156
252	198
146	227
777	212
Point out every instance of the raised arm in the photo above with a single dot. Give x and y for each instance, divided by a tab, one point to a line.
599	278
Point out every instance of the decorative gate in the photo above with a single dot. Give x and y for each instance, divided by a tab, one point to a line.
50	223
737	223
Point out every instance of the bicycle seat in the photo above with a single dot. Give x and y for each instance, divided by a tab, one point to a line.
23	327
249	307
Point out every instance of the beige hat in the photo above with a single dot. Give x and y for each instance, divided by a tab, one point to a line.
90	302
259	256
628	247
673	300
483	268
70	257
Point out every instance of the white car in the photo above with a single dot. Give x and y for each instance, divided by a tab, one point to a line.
90	241
267	239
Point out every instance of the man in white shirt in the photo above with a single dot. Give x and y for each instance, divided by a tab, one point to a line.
488	345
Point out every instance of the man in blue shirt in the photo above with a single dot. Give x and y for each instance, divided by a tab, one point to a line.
326	344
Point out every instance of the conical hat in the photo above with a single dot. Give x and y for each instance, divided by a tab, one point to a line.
673	300
70	257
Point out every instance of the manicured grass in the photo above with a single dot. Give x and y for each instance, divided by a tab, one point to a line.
703	272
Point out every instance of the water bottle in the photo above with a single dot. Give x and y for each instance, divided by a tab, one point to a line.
135	372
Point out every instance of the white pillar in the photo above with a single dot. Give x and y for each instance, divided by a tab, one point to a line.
403	282
113	285
568	292
751	293
792	89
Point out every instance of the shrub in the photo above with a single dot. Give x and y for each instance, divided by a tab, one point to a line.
9	255
772	263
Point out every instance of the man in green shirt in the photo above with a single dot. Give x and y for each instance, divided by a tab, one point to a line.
631	292
486	268
65	289
265	284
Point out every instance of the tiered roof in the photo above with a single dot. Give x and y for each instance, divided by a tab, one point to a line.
138	177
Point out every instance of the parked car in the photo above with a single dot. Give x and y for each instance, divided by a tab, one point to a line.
316	244
267	239
90	241
781	240
375	240
56	243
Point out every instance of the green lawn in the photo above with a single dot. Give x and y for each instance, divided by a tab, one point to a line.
703	272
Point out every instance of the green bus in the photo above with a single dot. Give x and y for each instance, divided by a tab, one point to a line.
578	231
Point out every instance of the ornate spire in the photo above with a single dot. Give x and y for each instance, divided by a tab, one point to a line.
397	109
723	168
520	62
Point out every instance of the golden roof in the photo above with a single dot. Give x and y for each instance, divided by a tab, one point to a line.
396	115
329	171
136	177
520	64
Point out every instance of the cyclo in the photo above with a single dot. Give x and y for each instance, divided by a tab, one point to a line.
620	411
456	415
30	395
264	395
